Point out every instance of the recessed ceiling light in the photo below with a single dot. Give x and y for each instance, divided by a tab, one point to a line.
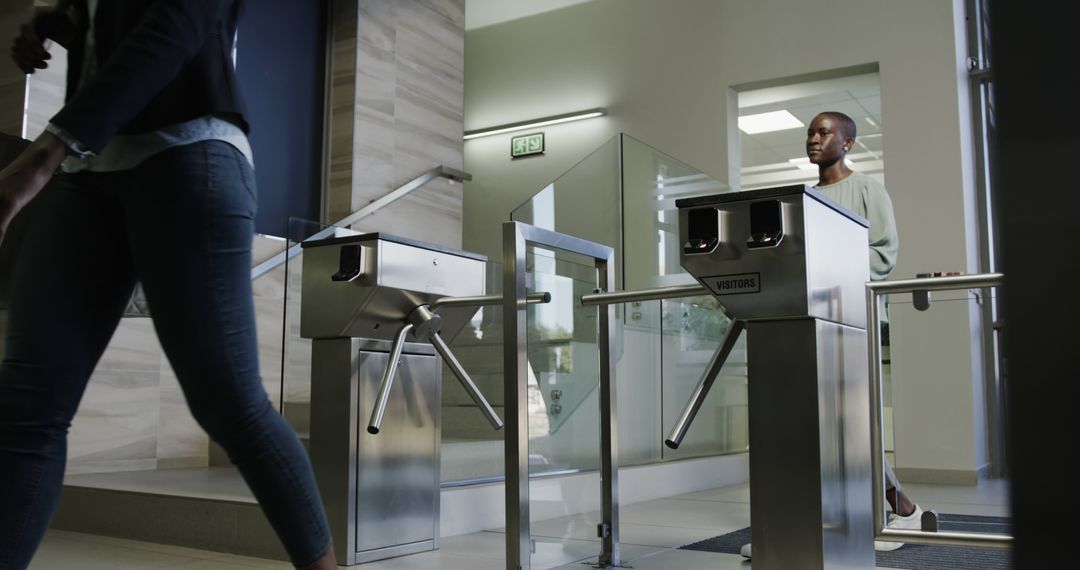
768	122
803	163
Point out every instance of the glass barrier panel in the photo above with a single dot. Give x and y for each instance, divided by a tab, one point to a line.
692	330
472	452
943	416
564	409
651	183
584	202
624	195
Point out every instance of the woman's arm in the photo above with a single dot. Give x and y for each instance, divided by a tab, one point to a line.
147	59
21	180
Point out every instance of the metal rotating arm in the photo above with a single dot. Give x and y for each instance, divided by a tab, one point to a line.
485	300
466	382
677	434
388	380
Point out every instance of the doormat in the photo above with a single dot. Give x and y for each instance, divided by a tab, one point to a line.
910	556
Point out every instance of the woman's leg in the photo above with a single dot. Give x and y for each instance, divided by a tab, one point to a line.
191	214
901	504
71	281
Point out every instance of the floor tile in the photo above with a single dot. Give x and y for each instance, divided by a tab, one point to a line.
61	553
650	533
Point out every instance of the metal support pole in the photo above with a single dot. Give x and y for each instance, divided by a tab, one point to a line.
515	377
609	426
516	398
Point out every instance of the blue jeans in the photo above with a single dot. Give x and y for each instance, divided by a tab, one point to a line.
182	224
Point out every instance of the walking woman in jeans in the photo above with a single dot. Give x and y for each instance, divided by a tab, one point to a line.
157	186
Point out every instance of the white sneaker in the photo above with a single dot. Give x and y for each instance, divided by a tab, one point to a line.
910	522
745	550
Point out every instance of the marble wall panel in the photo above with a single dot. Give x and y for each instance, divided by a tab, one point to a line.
407	117
342	102
180	440
374	119
12	80
117	423
134	346
268	321
116	426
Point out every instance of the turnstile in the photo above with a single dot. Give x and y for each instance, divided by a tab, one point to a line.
792	265
371	305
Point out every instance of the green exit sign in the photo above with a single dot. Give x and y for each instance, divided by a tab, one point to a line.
526	145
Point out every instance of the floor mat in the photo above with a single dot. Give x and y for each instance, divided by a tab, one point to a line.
911	556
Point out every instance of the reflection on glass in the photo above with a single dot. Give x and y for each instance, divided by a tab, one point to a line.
563	366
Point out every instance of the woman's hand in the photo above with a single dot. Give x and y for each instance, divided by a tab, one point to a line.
27	175
29	50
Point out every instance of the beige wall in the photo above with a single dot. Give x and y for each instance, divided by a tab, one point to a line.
667	72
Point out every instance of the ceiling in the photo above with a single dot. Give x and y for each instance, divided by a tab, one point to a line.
481	13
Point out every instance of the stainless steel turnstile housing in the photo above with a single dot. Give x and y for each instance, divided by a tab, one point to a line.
793	265
381	491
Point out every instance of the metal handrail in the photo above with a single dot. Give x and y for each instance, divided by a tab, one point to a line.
451	174
617	297
877	448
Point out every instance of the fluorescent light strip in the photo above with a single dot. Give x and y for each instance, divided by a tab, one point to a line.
541	122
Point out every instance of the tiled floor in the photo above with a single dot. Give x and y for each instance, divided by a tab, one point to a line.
649	532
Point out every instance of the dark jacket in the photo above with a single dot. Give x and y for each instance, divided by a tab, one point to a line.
159	62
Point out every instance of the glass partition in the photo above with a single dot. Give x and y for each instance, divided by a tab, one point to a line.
927	389
623	195
296	351
563	415
472	451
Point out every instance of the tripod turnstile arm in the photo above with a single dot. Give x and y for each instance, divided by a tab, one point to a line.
388	380
485	301
677	434
466	382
